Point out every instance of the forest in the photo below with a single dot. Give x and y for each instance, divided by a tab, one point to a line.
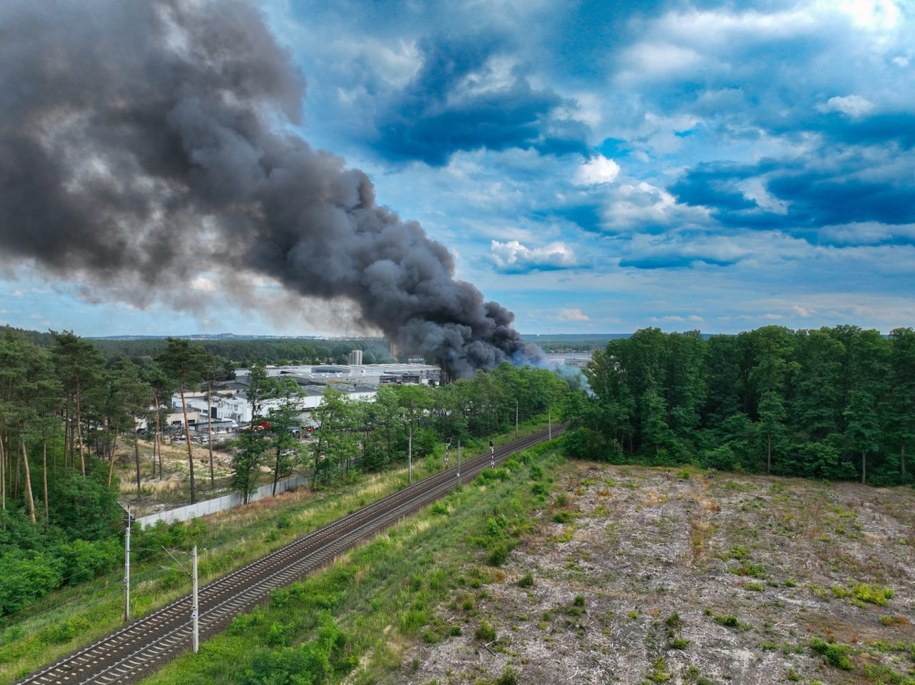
68	414
833	403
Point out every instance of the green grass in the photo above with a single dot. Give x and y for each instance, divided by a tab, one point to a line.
383	595
75	616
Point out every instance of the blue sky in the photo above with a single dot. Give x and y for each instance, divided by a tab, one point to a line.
595	167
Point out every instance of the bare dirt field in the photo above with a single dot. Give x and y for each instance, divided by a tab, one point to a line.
639	575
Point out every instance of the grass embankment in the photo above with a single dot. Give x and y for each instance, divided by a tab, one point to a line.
356	619
573	572
75	616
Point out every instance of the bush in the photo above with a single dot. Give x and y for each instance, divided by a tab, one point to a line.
497	554
835	655
587	444
527	580
485	632
508	677
85	560
875	595
27	577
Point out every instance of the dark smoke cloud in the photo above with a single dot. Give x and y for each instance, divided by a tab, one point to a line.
143	141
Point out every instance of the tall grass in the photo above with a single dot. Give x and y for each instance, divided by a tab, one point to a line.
383	595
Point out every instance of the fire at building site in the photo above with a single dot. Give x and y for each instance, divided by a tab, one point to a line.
142	143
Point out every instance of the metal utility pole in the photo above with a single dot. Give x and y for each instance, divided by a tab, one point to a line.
447	447
194	606
410	455
549	419
127	569
459	463
516	419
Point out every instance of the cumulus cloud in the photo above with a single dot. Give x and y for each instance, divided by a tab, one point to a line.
853	106
513	257
677	318
868	233
597	170
573	315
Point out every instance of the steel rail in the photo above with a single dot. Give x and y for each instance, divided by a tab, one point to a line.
141	647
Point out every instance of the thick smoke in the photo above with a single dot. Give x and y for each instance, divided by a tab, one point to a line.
143	142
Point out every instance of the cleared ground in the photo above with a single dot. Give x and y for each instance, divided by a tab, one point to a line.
635	575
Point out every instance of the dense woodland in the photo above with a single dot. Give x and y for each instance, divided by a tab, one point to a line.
244	352
831	403
68	412
835	403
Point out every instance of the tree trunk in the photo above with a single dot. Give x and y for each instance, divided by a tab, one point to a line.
863	467
190	451
210	431
276	471
68	439
2	476
902	461
157	443
29	500
768	453
113	447
79	434
136	454
44	465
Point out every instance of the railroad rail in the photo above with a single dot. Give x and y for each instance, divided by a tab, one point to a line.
145	645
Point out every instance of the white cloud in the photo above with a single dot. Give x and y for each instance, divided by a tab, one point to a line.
202	284
874	15
513	256
803	312
597	170
676	318
632	205
867	233
573	315
659	60
853	106
755	189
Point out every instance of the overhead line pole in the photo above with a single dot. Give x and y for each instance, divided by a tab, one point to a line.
194	605
127	569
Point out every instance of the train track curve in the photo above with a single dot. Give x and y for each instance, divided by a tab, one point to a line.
148	643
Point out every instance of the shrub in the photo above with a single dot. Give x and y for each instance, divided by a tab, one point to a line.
727	620
563	517
508	677
835	655
26	578
527	580
875	595
540	490
85	560
497	554
485	632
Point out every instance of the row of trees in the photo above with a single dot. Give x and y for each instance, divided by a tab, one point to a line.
249	351
65	412
831	403
402	419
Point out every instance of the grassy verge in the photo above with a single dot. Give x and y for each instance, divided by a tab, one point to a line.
76	616
354	620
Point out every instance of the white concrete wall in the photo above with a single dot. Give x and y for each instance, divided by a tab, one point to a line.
211	506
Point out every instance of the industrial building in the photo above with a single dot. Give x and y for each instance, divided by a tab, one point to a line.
229	406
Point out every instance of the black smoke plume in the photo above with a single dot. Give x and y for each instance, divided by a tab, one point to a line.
143	142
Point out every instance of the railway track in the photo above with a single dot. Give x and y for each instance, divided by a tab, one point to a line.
140	648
